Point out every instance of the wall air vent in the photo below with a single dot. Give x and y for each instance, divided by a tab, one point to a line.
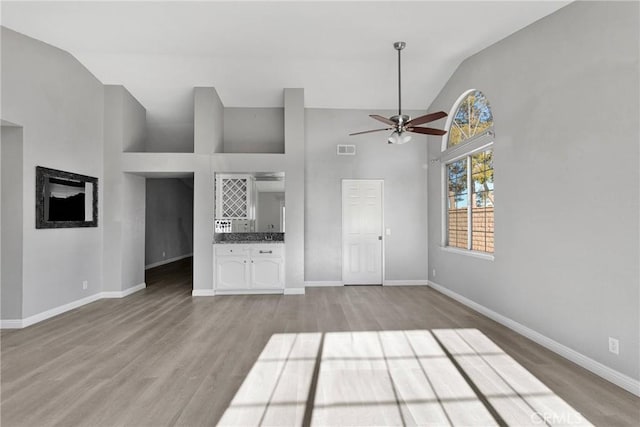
346	150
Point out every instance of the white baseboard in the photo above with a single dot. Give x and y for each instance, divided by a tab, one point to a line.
11	324
248	292
203	293
167	261
621	380
294	291
406	283
322	283
126	292
31	320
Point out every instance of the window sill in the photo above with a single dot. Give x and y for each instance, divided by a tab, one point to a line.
466	252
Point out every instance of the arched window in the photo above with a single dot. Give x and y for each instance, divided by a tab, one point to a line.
467	160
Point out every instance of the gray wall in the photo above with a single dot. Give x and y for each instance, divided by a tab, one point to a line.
169	136
269	211
12	193
60	106
564	93
208	121
169	219
125	130
254	130
403	168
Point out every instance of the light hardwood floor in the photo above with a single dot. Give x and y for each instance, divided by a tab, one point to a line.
160	357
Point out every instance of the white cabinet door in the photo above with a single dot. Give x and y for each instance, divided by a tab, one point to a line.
232	272
267	273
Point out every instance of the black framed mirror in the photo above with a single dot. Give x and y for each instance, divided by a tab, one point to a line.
65	199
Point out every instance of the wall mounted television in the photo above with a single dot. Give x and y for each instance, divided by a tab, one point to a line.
65	199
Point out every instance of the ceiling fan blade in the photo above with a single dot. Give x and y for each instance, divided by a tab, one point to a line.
427	131
427	118
382	119
369	131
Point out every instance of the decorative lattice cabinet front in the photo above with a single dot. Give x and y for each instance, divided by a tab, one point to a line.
234	196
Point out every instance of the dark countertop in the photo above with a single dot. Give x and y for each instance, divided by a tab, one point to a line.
245	238
245	242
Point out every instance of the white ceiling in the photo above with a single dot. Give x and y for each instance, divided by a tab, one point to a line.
340	52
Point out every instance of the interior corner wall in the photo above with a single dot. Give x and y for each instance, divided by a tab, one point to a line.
564	94
404	171
60	106
124	194
169	219
208	130
294	186
254	130
208	121
12	227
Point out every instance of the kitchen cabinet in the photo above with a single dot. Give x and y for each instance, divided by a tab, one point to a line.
249	268
235	196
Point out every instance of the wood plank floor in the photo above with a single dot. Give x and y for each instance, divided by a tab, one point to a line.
160	357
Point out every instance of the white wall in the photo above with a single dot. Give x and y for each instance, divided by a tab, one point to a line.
12	227
403	168
125	130
60	106
169	219
169	136
564	94
253	130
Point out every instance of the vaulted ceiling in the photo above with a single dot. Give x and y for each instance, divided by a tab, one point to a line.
340	52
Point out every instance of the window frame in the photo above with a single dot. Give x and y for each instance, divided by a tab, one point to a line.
465	149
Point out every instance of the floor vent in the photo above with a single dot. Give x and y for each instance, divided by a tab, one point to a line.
346	150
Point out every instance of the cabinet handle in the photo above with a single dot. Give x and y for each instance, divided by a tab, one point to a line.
266	252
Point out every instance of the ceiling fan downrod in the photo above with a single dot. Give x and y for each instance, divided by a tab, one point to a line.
399	46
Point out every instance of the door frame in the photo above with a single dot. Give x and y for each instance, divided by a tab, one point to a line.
382	231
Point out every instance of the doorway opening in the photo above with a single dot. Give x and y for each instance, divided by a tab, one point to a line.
169	231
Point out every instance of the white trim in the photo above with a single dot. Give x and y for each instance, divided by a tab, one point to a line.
203	293
476	254
322	283
11	324
248	291
167	261
621	380
47	314
294	291
36	318
126	292
420	282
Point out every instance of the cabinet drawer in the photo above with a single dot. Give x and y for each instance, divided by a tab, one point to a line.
267	251
231	249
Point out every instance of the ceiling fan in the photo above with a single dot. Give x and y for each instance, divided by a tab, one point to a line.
402	123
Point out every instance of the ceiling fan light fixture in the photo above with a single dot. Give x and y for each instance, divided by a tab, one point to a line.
399	138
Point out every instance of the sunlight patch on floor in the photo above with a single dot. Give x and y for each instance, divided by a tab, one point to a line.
393	378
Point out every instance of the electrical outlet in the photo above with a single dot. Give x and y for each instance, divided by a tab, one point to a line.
434	272
614	346
388	232
85	284
164	254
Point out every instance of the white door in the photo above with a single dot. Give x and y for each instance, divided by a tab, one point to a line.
362	232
